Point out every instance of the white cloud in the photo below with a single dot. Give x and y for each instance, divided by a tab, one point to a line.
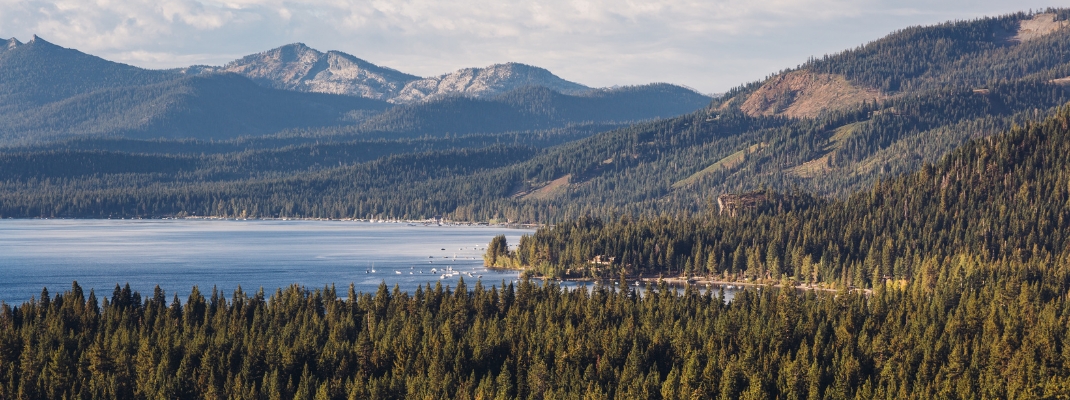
711	45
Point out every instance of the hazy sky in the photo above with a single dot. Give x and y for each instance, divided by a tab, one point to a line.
710	45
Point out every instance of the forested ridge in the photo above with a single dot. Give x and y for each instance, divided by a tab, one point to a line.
1001	198
956	82
645	169
50	93
970	53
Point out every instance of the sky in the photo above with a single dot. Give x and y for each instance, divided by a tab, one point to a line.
709	45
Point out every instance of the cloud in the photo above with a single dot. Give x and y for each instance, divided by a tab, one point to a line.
708	44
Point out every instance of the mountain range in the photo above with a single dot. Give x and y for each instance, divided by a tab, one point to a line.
301	68
885	222
832	126
48	92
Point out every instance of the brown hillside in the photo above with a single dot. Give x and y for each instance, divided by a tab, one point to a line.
1039	26
803	94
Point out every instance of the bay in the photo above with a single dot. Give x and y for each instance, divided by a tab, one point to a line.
226	254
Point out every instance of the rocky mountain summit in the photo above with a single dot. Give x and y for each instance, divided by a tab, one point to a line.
9	44
302	68
486	82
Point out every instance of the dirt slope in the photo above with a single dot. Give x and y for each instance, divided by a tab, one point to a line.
803	94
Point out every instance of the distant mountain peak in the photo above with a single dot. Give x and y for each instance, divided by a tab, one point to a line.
297	66
39	41
291	53
489	81
10	44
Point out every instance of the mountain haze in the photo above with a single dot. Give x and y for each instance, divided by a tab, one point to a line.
218	106
302	68
39	72
830	127
48	92
536	107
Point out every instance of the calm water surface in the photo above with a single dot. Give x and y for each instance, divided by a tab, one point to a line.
178	254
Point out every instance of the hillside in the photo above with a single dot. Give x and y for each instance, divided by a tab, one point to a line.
889	222
967	260
208	107
52	93
49	93
994	199
973	54
38	72
654	167
537	107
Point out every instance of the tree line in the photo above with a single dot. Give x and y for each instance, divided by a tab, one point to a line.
970	328
999	198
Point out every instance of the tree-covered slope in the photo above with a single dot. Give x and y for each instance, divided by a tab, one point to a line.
1000	199
50	93
973	54
536	107
217	106
650	168
39	72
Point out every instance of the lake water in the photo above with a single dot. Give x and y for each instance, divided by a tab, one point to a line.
179	254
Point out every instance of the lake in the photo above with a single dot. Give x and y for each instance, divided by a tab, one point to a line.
179	254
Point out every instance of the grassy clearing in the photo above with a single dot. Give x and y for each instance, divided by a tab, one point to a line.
551	189
731	161
820	165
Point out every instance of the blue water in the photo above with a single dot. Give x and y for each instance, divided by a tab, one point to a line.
179	254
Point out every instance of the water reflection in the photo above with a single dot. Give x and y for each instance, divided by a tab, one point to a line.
178	254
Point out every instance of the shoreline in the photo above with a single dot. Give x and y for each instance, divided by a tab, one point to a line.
681	281
696	281
418	222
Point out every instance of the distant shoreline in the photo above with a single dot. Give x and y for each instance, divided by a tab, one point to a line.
681	281
365	220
